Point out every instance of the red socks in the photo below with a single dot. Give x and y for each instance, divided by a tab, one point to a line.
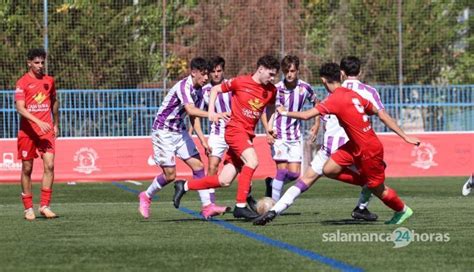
392	200
27	201
204	183
45	197
243	186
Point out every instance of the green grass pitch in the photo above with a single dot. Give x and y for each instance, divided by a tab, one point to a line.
99	229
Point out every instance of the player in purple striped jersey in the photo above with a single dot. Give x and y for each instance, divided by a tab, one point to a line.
350	72
285	138
216	141
334	137
171	139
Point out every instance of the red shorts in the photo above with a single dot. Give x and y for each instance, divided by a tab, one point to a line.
372	170
28	145
238	140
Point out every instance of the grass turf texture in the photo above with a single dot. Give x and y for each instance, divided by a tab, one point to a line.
99	229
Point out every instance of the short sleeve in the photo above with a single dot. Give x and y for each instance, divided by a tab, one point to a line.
311	94
19	92
53	89
184	93
327	106
228	85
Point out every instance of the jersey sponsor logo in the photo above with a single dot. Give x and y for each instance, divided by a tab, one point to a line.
8	163
255	104
424	155
87	158
19	90
39	97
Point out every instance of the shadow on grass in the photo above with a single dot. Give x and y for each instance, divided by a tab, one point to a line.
346	222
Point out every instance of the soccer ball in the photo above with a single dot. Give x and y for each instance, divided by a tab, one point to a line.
264	204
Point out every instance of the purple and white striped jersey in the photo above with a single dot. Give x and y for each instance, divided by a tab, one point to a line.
366	91
334	134
171	114
223	102
288	128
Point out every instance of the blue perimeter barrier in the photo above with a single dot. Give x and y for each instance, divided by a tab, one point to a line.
130	112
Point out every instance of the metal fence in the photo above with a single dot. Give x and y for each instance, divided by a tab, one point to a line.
130	112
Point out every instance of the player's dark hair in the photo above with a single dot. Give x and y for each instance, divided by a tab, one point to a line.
199	63
216	61
287	61
351	65
331	72
269	62
36	52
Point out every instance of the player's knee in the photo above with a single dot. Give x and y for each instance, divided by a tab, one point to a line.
212	170
225	182
252	163
170	176
49	167
329	172
27	169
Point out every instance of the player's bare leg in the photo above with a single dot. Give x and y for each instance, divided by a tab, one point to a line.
47	186
213	166
26	195
224	179
209	207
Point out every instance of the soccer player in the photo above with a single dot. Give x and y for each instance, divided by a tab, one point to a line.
466	189
334	137
364	149
350	71
216	141
286	145
170	138
251	94
38	107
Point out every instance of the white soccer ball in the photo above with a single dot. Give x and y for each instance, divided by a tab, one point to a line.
264	204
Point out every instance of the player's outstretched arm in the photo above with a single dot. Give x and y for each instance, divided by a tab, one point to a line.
304	115
192	110
391	124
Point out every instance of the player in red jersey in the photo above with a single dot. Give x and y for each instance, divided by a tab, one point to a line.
364	149
35	101
251	94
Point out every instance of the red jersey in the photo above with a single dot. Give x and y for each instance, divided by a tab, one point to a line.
351	110
249	99
38	95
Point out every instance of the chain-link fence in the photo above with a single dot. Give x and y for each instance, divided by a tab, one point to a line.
119	45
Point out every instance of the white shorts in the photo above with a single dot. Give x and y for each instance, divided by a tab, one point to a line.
287	151
167	145
218	145
318	161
